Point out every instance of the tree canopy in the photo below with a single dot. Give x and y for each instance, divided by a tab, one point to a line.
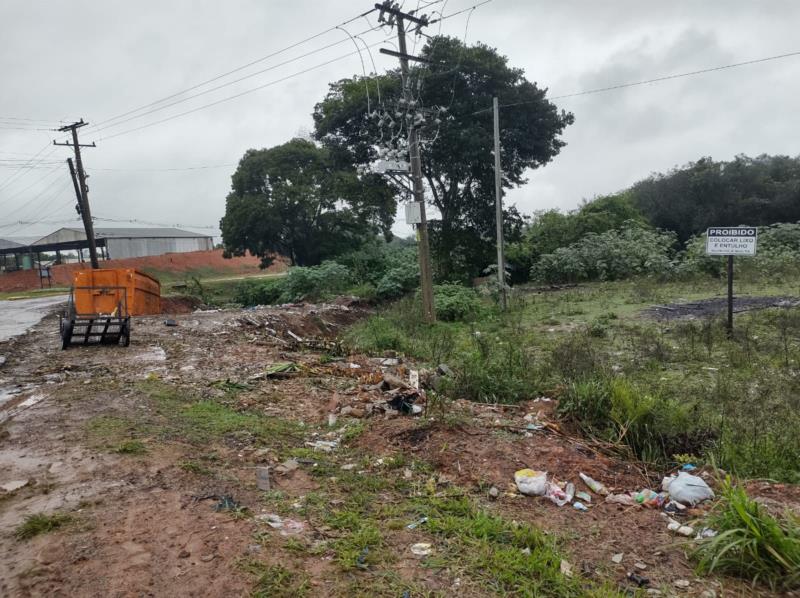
297	201
457	158
754	191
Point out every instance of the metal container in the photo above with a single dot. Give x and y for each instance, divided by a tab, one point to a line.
101	292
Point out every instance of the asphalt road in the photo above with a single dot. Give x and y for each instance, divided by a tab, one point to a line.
19	315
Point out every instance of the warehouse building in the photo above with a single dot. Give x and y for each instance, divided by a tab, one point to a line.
113	243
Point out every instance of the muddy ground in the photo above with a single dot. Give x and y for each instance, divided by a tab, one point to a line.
717	307
141	445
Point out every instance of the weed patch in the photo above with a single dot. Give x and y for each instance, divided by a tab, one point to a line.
751	543
41	523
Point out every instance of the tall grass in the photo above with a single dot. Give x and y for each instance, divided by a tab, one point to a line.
751	543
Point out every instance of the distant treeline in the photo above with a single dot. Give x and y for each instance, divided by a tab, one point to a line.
683	202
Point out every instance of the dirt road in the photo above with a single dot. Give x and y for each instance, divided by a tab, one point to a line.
19	315
139	466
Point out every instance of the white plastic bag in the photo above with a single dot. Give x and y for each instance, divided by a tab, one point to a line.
687	489
530	482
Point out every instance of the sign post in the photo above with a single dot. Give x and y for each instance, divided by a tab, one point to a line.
730	242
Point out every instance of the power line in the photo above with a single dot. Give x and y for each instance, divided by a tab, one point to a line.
49	175
31	160
237	69
137	221
237	95
224	85
655	80
181	169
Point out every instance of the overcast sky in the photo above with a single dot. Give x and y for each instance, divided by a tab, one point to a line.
99	60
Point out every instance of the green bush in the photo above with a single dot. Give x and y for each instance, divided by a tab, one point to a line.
454	302
613	255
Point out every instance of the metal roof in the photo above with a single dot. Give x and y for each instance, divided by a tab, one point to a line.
140	233
6	244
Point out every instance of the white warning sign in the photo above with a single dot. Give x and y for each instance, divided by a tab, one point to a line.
731	241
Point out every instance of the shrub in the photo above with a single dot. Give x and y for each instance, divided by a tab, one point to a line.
613	255
750	542
454	302
315	282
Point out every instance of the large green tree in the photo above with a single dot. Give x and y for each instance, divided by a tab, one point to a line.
296	200
457	160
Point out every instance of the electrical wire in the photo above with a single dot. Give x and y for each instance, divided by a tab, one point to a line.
655	80
236	70
31	160
162	224
99	128
181	169
237	95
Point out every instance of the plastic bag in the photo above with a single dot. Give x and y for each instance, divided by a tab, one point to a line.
557	494
687	489
530	482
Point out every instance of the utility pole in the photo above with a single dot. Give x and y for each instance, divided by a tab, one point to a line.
426	275
498	205
81	189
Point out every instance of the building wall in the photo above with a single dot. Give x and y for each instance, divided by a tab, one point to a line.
125	248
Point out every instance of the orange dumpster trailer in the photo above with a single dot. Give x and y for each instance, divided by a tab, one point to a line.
101	303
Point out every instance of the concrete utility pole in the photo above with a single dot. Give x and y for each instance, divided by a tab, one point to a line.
426	275
498	205
81	189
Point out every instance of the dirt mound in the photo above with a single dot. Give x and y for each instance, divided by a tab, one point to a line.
709	308
179	304
206	263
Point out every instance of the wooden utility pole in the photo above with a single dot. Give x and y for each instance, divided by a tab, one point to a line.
426	274
81	189
498	205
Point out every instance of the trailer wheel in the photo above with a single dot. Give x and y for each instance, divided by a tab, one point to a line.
125	336
66	334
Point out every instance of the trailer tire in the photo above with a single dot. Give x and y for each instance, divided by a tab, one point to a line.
66	334
125	336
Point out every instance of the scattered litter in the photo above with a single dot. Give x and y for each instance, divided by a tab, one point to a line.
650	498
324	445
262	478
688	467
294	336
679	528
706	532
389	361
494	492
580	506
530	482
542	400
681	583
348	466
584	496
565	568
421	549
617	558
687	488
674	507
353	366
331	419
417	523
170	322
639	580
361	559
2	360
621	499
288	527
271	519
640	566
413	378
226	503
444	370
287	466
593	485
558	495
403	400
14	485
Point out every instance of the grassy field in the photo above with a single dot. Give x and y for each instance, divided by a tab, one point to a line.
671	391
12	295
